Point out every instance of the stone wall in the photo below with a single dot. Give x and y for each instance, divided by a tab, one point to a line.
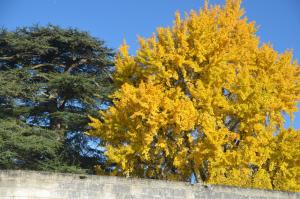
31	184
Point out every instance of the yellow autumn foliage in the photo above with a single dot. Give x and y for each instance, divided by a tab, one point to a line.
205	98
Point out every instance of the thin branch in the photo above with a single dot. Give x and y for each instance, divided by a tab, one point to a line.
42	65
7	58
74	65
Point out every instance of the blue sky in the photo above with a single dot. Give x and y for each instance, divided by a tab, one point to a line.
116	20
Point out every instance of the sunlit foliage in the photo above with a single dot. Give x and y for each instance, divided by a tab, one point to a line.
204	98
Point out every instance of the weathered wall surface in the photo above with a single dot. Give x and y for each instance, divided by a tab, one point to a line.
30	184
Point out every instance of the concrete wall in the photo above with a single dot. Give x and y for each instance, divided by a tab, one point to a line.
30	184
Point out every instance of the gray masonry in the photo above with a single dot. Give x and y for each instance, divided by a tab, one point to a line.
36	185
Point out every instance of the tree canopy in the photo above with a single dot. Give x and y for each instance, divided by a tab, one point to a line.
204	98
51	78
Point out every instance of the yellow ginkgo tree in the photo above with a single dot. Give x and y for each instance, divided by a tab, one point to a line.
206	99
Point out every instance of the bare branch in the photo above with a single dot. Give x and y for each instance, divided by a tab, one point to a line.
42	65
7	58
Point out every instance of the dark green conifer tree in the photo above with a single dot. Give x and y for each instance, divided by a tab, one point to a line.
51	79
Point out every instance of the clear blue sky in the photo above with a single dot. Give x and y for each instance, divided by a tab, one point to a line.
115	20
